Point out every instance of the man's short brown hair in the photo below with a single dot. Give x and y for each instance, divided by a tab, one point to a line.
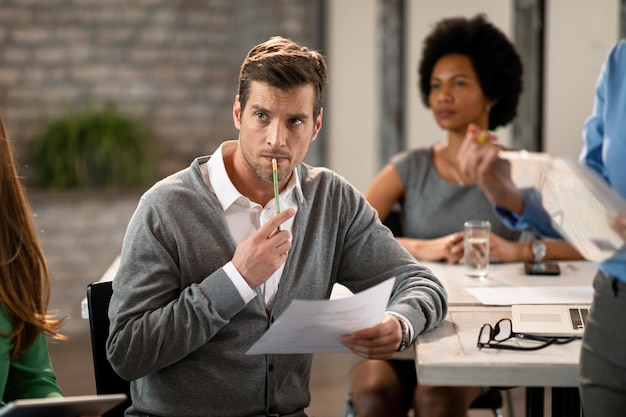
283	64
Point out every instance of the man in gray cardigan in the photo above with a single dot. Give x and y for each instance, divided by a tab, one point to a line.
207	265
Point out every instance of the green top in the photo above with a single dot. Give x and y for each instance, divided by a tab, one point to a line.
31	374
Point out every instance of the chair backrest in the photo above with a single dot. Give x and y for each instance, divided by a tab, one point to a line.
392	221
107	381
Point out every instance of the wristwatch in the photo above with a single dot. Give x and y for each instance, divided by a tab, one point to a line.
538	249
404	343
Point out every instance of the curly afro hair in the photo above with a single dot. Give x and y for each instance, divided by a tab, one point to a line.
493	56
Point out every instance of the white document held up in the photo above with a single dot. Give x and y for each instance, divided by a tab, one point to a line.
309	326
581	205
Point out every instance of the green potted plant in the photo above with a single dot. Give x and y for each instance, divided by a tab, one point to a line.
94	149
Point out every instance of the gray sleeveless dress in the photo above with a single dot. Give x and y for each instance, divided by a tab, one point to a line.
432	207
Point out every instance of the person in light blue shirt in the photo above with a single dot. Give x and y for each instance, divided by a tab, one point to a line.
602	375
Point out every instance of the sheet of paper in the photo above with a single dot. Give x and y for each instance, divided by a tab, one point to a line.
532	295
309	326
581	204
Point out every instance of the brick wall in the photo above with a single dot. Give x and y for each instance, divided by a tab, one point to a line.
171	63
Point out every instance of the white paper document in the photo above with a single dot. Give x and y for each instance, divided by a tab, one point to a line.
532	295
580	203
309	326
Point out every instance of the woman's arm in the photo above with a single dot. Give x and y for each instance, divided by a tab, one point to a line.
385	191
31	375
561	250
511	251
446	248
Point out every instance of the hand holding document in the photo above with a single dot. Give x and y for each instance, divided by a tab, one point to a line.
580	203
309	326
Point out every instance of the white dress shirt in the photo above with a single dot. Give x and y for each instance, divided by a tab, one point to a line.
244	216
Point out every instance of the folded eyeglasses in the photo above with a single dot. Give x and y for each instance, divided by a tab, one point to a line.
493	337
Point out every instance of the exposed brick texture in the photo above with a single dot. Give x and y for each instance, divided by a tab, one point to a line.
172	63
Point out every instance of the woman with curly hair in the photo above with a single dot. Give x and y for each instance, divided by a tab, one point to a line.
470	76
25	367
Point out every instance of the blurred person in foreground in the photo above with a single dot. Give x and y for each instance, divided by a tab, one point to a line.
205	270
603	357
469	73
25	367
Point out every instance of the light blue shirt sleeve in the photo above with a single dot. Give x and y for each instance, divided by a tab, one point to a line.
534	217
604	151
604	137
604	133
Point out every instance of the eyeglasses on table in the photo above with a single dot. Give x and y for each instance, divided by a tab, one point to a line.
494	337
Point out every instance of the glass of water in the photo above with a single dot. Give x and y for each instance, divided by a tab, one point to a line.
476	248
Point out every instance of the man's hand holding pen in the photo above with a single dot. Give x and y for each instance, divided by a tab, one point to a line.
257	257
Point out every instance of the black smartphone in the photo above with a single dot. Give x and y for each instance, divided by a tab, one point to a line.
542	268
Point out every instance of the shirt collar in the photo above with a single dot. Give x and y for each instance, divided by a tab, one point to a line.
223	187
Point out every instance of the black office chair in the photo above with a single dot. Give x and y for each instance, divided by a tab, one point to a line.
490	399
107	381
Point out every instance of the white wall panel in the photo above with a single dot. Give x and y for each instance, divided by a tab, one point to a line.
351	122
579	34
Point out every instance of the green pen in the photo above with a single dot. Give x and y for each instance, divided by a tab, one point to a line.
276	200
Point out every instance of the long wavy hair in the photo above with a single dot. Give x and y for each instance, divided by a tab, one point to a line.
24	276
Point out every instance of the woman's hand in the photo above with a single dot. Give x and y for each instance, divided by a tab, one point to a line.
479	160
447	248
506	250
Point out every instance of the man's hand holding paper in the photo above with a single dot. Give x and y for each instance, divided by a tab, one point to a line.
378	342
309	326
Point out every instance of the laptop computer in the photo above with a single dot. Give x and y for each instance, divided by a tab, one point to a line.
557	320
73	406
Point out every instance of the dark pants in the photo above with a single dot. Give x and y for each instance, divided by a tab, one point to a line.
603	355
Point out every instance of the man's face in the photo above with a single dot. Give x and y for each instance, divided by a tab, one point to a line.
276	124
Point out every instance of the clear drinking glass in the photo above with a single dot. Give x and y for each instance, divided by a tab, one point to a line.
476	248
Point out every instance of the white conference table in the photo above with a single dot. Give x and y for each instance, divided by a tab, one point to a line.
574	274
448	355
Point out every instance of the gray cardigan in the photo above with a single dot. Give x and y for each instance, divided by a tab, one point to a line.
179	328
